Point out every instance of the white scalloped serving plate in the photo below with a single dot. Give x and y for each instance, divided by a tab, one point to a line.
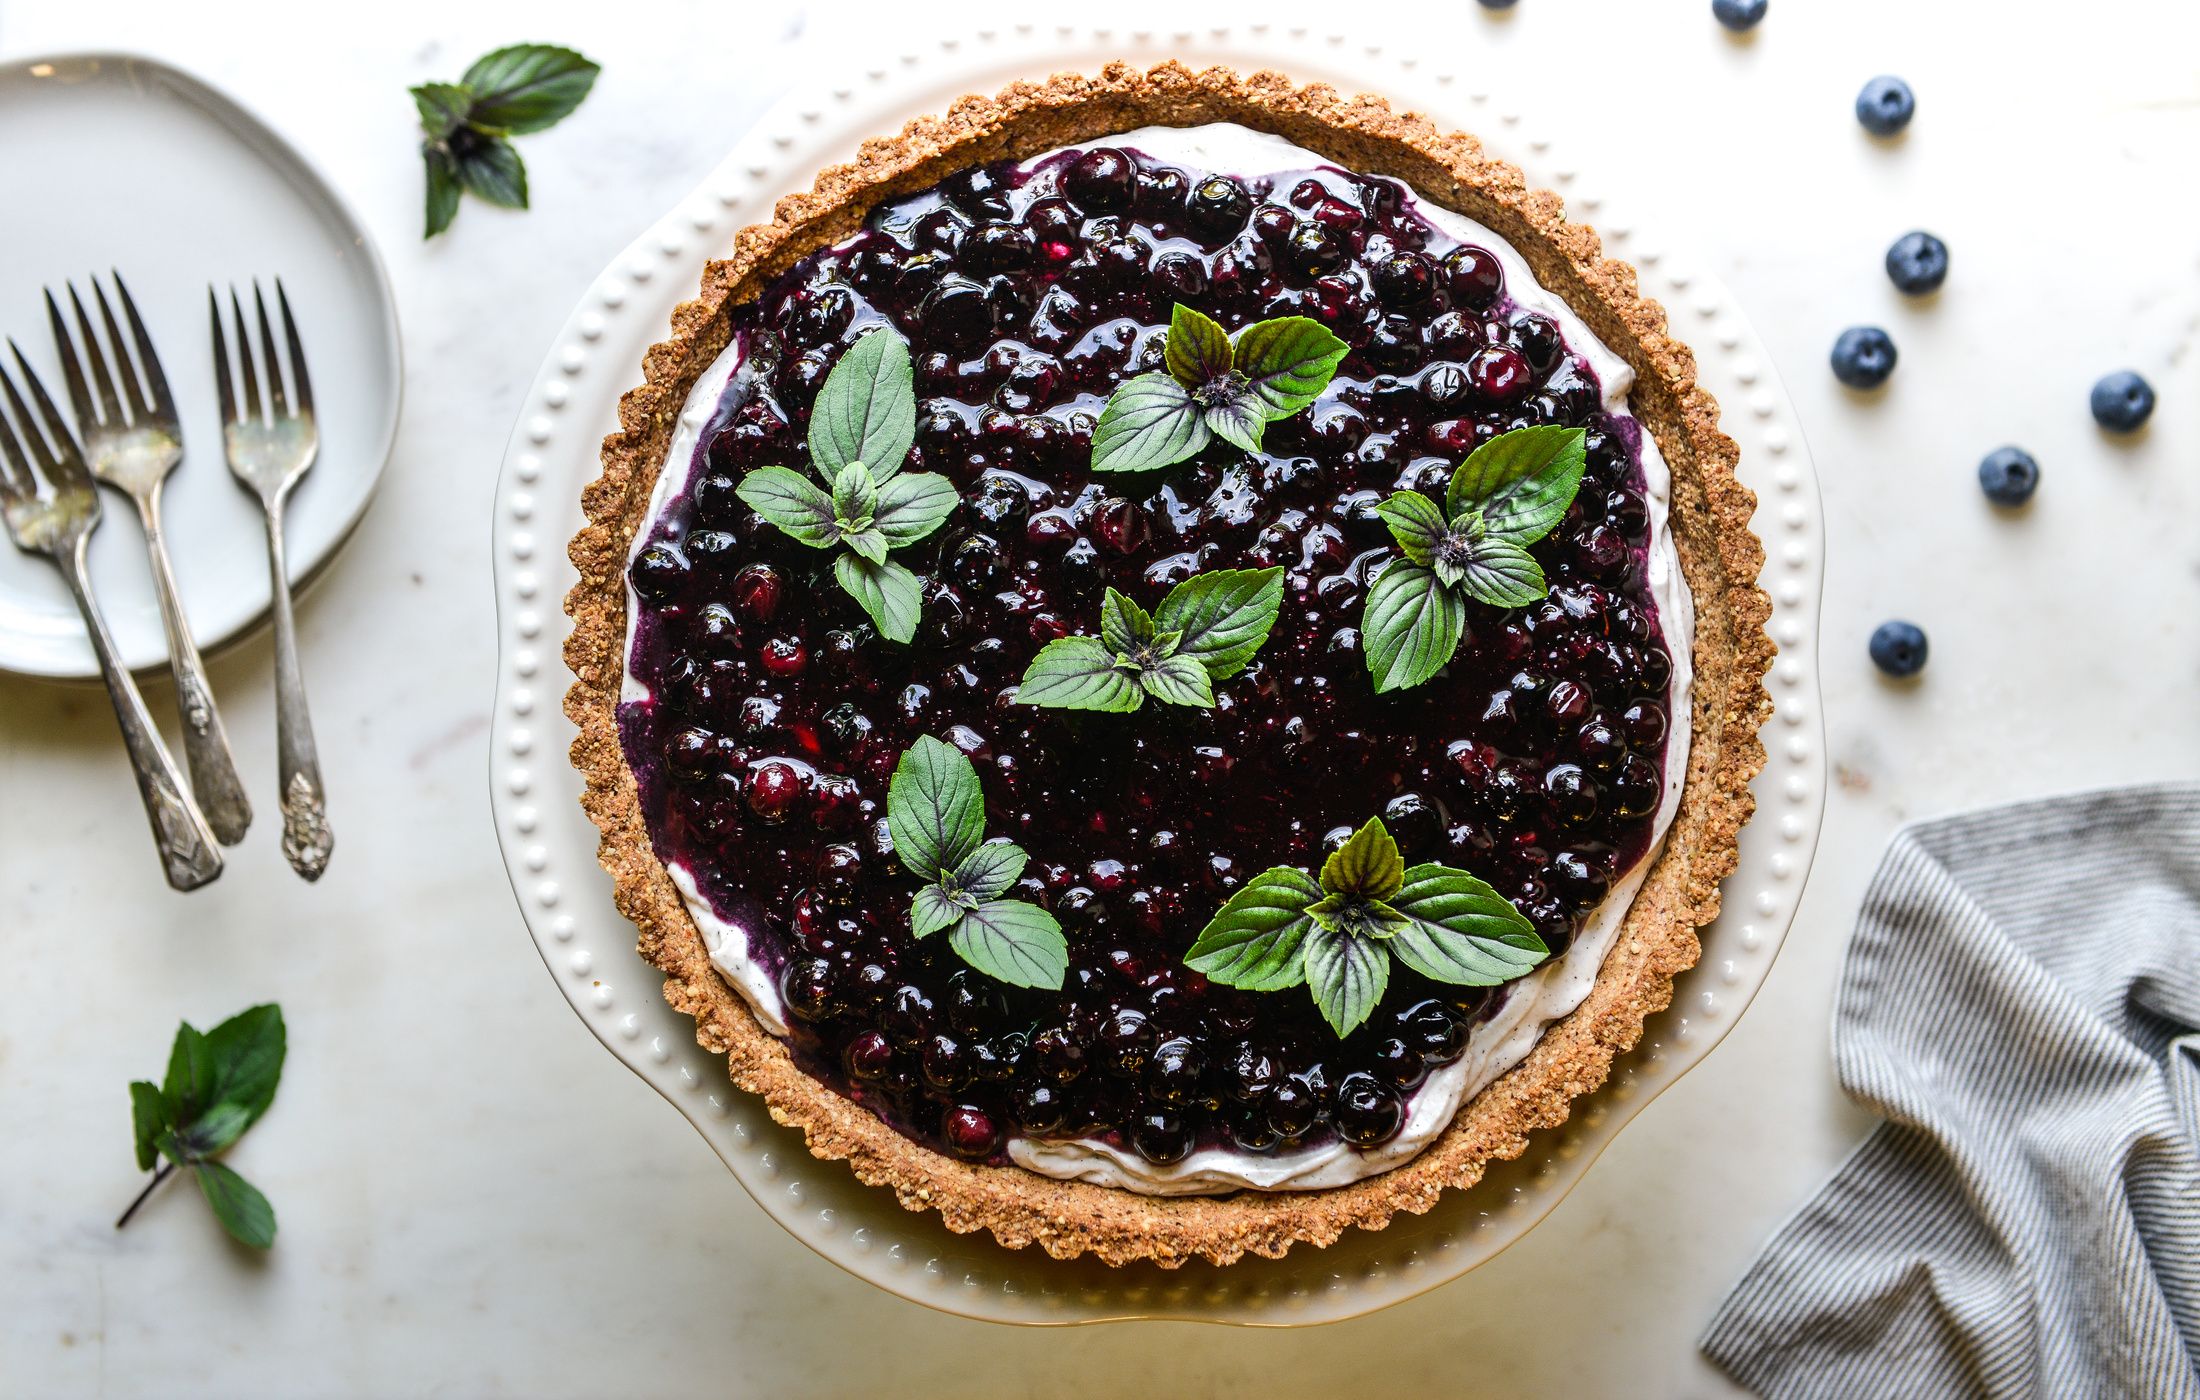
589	947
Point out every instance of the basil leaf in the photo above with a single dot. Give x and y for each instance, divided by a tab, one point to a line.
869	544
443	190
1078	673
1180	680
1013	942
935	908
792	502
988	871
1347	976
489	167
1197	351
148	1119
887	591
935	810
855	496
443	107
1123	624
1362	918
1521	481
1150	421
237	1204
1498	572
913	505
174	1148
1287	362
1367	864
189	1087
248	1051
1416	523
1224	616
1254	943
528	87
866	411
1410	626
215	1129
1461	931
1236	416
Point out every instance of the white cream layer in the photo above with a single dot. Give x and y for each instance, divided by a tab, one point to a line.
1529	1004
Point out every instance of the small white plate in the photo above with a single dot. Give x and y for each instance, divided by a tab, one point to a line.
115	161
550	848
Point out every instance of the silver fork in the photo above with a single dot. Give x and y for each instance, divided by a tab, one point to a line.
132	440
56	522
269	453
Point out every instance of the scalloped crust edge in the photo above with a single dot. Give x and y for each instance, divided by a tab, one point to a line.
1720	558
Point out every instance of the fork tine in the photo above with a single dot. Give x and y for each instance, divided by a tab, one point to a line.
132	390
163	405
221	357
244	357
80	396
278	405
16	481
33	442
63	462
298	381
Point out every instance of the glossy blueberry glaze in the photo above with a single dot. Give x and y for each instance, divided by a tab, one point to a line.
775	716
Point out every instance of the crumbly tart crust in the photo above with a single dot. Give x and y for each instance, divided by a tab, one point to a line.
1720	559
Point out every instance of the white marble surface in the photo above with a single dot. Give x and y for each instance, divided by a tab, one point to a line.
476	1200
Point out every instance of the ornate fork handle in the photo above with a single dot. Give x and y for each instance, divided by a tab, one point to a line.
307	840
186	845
214	780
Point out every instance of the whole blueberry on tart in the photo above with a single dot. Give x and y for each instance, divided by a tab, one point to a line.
1160	690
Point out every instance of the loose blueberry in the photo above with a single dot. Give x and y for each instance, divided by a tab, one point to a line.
1885	106
1917	263
1499	4
2122	402
1899	648
1863	357
2008	476
1738	15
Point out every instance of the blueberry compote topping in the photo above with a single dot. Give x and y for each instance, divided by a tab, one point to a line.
775	715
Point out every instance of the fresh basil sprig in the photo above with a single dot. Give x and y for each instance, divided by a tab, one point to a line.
1339	934
935	812
219	1083
1206	630
510	92
1508	494
1214	386
861	427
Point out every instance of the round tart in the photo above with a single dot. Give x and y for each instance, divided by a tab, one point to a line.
1168	664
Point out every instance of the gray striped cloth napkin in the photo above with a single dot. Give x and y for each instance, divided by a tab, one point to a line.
2020	1004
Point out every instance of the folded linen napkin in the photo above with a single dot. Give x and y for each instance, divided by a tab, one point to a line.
2020	1003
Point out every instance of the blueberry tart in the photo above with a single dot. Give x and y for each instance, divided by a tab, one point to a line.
1168	663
